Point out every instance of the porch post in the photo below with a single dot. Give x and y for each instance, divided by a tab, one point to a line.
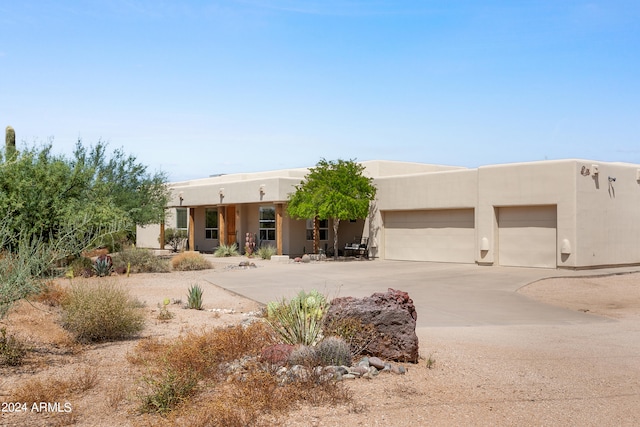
279	211
222	226
162	234
192	231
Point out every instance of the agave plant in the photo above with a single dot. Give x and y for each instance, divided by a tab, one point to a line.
300	320
103	265
194	298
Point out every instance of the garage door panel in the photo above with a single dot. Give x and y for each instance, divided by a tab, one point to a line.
438	235
527	236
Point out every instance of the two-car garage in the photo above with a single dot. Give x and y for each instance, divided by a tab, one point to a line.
526	235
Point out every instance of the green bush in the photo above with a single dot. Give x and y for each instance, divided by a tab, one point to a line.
175	238
226	250
140	261
167	390
266	252
194	299
101	311
300	320
81	267
333	351
188	261
12	350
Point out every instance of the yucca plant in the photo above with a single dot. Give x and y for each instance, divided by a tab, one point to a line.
226	250
194	298
300	320
266	252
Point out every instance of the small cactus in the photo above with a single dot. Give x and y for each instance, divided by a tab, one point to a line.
10	141
333	351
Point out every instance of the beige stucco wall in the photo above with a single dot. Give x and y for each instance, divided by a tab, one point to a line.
526	184
607	218
598	223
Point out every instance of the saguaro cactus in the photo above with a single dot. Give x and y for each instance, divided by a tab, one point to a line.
10	141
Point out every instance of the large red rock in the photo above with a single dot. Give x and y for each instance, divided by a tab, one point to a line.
394	316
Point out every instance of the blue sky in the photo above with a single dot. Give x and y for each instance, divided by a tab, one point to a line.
196	88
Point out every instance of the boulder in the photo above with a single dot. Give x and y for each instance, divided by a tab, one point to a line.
394	317
276	354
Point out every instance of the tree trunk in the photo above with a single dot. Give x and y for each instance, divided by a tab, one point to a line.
336	223
316	234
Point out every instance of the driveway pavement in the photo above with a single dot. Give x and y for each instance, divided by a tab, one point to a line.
444	294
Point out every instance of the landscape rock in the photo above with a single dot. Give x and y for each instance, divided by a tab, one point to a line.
277	354
394	316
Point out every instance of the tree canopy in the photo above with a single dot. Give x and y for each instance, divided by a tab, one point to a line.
42	193
336	190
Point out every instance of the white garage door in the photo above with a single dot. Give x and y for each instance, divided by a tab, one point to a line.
430	235
527	236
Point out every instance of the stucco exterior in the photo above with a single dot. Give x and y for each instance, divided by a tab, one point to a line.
552	214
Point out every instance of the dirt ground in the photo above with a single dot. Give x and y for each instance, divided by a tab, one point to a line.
569	374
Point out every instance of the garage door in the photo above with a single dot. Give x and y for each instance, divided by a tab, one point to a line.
430	235
527	236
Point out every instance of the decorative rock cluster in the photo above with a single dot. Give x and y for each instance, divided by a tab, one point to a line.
367	367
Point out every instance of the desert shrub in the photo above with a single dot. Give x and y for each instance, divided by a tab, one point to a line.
194	298
226	250
175	238
12	350
51	293
187	381
357	334
167	390
36	390
101	311
333	351
175	369
266	252
140	261
300	320
188	261
81	267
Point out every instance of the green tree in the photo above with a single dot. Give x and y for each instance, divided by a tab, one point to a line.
41	193
52	207
335	190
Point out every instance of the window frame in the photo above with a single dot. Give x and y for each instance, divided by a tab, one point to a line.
179	218
211	232
322	230
267	226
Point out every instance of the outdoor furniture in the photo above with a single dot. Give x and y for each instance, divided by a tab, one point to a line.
359	247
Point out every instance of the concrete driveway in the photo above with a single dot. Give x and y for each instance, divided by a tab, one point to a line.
444	294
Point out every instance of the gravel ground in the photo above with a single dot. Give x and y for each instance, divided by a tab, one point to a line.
582	374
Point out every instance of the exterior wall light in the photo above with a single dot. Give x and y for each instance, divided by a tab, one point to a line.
594	169
221	192
565	248
484	244
262	187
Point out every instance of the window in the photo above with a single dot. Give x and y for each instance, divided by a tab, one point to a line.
181	218
268	223
323	229
211	223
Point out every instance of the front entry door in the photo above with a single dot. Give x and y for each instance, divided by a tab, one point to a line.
231	224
